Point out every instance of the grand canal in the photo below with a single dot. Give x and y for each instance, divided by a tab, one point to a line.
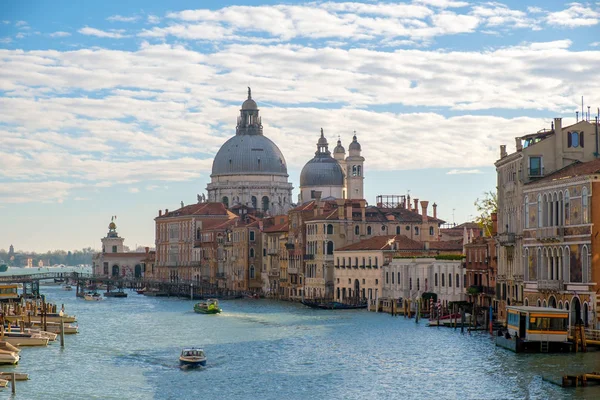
128	349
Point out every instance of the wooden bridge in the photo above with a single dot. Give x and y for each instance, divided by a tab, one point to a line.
182	288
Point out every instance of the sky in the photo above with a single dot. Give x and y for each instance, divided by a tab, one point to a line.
117	108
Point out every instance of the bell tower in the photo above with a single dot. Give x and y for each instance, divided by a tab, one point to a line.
112	243
355	171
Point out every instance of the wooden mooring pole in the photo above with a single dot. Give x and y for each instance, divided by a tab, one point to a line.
13	383
62	332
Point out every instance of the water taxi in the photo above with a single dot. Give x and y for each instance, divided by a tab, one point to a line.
92	297
192	357
535	329
210	306
9	292
67	287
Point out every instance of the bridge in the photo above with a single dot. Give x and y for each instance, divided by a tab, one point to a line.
183	288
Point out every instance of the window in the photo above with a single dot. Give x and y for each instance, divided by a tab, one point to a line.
535	166
387	277
416	230
409	283
252	236
354	170
264	252
585	212
265	203
418	284
368	230
443	283
436	279
457	280
254	202
251	253
392	278
330	248
252	272
449	280
567	208
359	172
431	230
575	139
114	249
356	230
329	229
398	277
526	212
397	230
539	211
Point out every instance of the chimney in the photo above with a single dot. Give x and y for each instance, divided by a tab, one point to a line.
424	205
518	144
416	209
349	210
494	224
340	206
363	210
166	211
503	151
159	213
147	249
408	202
434	210
558	141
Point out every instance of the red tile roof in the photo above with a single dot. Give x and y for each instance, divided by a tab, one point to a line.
384	243
213	209
576	169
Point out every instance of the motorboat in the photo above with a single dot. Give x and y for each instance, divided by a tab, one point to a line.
25	339
210	306
119	293
67	287
8	347
50	335
54	327
9	358
92	297
141	291
192	357
37	319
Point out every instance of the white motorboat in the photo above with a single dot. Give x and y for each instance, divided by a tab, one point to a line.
25	339
92	297
9	357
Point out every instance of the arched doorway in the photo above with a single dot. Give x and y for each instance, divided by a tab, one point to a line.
115	270
552	302
356	288
138	271
576	311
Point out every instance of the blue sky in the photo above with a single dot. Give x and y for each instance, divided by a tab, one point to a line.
117	108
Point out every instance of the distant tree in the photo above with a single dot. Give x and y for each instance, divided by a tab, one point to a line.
486	207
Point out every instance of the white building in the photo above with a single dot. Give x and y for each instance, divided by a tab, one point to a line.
409	278
249	169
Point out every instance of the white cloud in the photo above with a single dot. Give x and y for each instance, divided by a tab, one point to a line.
595	44
26	192
21	23
134	190
153	19
81	198
60	34
113	33
575	16
463	171
443	3
120	18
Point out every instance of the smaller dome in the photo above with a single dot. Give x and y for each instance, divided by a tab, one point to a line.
249	104
322	171
354	145
339	148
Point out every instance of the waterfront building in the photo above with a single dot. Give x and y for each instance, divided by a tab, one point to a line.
537	155
187	240
337	223
561	250
243	267
249	169
276	281
336	176
115	261
481	268
411	278
468	230
297	249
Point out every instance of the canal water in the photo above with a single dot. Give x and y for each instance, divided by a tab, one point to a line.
128	349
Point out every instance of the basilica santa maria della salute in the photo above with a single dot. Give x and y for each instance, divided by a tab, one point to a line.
250	170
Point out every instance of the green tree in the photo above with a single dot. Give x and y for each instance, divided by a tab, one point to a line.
486	207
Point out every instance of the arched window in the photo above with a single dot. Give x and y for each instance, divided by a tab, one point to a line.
356	230
265	203
356	262
251	252
416	230
368	230
363	260
252	235
584	264
449	280
377	262
409	283
585	210
457	280
329	229
539	211
526	212
435	279
254	202
330	248
567	210
225	201
354	170
431	231
397	230
398	278
252	272
370	261
358	170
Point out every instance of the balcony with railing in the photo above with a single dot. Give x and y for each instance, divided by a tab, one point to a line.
273	251
551	285
507	239
292	270
550	233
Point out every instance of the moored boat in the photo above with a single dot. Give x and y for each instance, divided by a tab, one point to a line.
9	358
25	339
210	306
192	357
92	297
36	319
333	305
115	294
67	287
